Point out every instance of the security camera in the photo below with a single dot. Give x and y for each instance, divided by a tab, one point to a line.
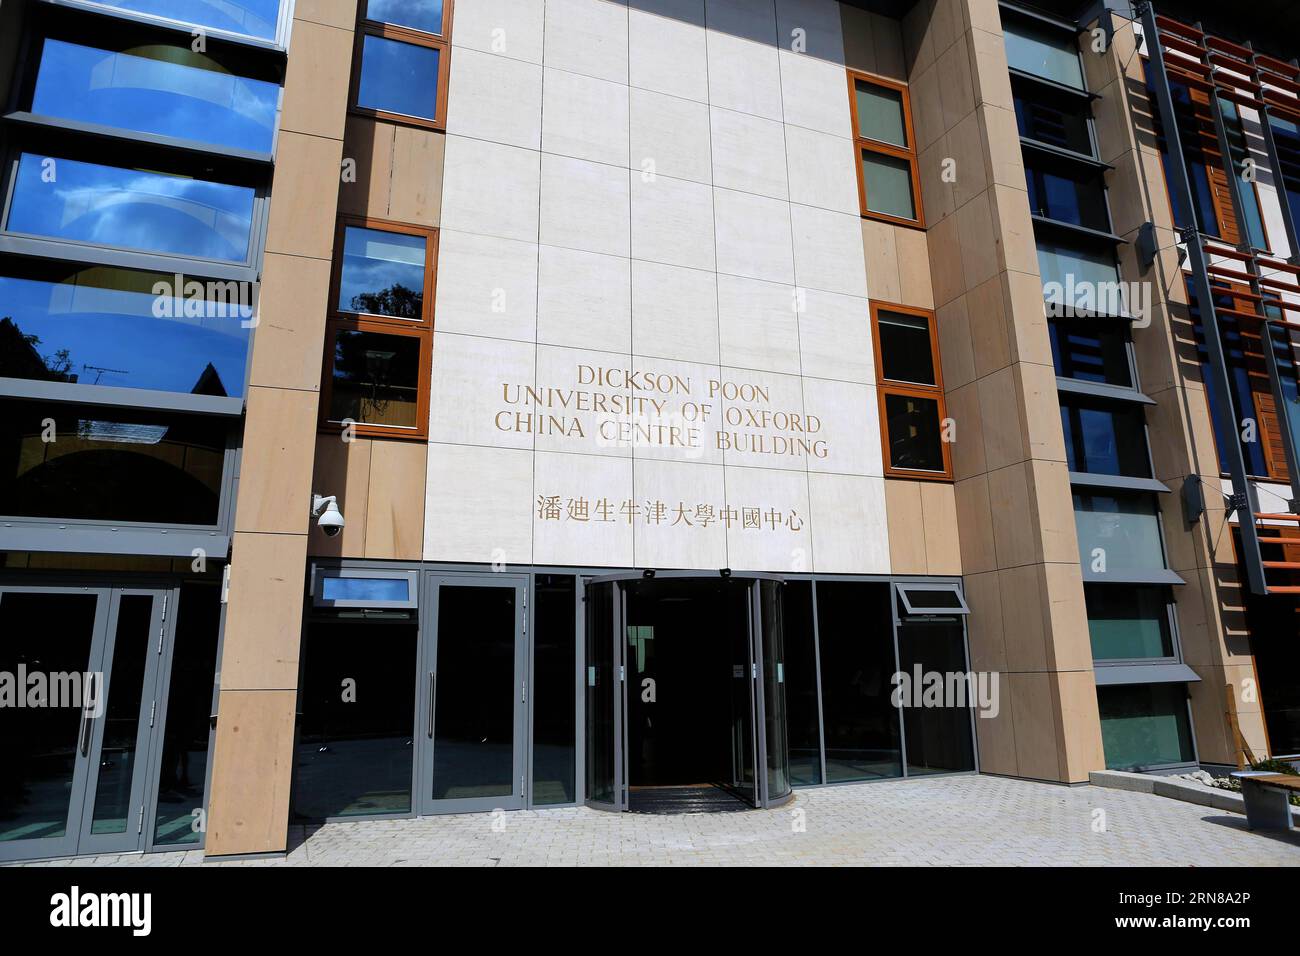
328	517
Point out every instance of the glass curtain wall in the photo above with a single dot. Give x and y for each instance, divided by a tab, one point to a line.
1116	503
832	657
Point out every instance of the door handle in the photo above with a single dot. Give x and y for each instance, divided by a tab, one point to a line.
86	718
433	683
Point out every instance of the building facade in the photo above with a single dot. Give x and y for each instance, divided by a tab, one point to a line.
645	404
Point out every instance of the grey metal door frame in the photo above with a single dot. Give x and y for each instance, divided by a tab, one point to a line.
77	837
142	776
426	704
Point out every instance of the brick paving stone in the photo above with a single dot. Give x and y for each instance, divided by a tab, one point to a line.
953	821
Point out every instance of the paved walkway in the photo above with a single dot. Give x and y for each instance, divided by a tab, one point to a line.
951	821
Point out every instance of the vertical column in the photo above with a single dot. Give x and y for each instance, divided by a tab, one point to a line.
1019	551
249	798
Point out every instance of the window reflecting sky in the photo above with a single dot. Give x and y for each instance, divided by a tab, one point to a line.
253	17
101	327
155	96
132	209
423	15
399	77
383	273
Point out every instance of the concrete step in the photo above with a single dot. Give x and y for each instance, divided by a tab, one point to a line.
1175	789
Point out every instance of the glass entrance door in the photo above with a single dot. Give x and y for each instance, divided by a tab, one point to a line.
472	705
76	725
722	646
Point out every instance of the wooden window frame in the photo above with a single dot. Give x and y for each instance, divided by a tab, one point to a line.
430	236
389	31
422	329
863	144
886	386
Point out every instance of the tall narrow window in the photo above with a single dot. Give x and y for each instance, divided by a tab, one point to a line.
910	392
401	62
889	187
1252	391
378	349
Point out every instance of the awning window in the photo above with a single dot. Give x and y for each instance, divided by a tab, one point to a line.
944	599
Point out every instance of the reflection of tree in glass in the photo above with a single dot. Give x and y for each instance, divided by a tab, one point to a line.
20	358
397	300
374	368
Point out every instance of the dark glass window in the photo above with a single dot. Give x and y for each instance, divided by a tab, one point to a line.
423	15
554	676
87	325
938	738
358	715
1127	622
905	348
119	754
857	658
804	725
474	706
1276	664
46	633
183	774
105	464
399	77
375	378
1091	351
1053	118
256	18
915	440
1145	725
601	680
1105	440
910	389
383	273
131	208
1057	191
165	90
775	720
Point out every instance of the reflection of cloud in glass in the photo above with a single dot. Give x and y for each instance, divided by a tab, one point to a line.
154	96
382	274
423	15
133	209
254	17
